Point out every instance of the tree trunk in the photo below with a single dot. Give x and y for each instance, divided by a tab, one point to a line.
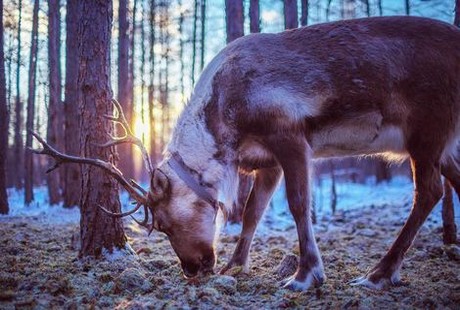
124	95
10	182
382	171
407	6
254	16
203	33
234	19
368	8
290	14
142	171
18	144
152	81
304	15
448	217
54	108
72	182
98	230
181	53
28	160
3	123
457	13
18	124
195	21
333	188
9	64
379	5
167	59
328	9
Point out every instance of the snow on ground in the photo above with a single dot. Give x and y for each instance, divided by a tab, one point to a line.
349	196
39	266
40	207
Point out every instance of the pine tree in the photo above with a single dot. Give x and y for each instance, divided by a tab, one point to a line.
98	231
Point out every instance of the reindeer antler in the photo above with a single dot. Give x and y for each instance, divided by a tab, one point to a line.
128	137
139	194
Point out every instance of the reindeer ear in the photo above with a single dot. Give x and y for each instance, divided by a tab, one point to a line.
159	185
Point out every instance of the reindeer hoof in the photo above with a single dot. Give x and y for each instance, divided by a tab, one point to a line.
315	277
373	282
366	283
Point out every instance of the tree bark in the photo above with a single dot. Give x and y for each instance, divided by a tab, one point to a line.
55	129
164	89
124	95
328	9
457	13
152	40
4	209
18	144
383	172
98	230
290	14
333	188
142	69
195	22
254	16
448	217
28	160
72	182
181	52
368	8
379	5
234	19
203	33
18	124
10	182
304	13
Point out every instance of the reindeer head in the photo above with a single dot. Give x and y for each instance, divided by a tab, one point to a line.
186	218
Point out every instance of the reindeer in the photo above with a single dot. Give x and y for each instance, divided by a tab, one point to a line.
271	103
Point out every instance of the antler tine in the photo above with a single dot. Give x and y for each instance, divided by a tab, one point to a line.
145	223
137	185
129	137
114	214
145	220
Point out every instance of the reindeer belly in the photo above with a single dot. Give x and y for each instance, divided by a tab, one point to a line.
363	135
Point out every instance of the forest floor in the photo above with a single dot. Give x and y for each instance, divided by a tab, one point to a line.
39	268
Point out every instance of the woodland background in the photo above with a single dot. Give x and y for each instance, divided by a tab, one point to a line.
152	54
61	63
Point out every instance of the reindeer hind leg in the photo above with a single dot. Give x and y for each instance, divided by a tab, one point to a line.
428	191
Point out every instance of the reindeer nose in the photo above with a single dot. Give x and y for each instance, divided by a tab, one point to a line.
190	270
